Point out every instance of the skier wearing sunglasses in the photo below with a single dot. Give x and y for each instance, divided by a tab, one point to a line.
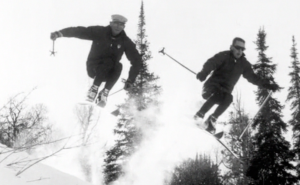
226	68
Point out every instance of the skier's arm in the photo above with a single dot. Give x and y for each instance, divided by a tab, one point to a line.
251	76
256	80
135	59
88	33
210	65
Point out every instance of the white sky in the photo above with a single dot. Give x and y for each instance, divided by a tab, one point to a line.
190	30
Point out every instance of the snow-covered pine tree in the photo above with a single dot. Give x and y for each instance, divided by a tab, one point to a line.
272	157
140	98
294	98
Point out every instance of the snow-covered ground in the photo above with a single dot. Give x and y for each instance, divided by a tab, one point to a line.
38	174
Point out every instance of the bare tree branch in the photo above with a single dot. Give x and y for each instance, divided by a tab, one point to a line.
20	149
46	157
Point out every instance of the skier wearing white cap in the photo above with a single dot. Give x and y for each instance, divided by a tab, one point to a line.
103	62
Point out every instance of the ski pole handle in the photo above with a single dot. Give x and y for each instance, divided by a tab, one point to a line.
162	51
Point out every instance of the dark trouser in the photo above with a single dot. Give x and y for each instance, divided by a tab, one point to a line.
105	71
113	76
215	96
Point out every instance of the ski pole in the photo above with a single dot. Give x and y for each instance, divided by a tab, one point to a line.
255	115
164	53
115	92
124	81
52	52
117	111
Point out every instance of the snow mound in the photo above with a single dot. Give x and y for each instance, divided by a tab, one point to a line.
13	162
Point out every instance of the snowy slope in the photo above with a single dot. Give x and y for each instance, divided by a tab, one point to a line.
38	174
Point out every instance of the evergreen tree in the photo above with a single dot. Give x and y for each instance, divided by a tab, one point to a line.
236	174
143	95
200	170
271	160
294	97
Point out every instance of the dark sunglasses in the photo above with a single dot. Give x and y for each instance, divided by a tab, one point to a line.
239	48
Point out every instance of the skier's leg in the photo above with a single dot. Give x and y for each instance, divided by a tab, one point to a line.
113	76
99	73
207	106
93	91
223	105
95	72
212	96
224	101
210	122
100	70
215	98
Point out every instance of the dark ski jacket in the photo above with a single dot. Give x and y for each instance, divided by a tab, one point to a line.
105	46
227	71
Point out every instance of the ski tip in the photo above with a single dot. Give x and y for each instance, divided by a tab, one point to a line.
116	112
219	135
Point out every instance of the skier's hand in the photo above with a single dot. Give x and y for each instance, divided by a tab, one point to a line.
272	87
55	35
128	85
201	77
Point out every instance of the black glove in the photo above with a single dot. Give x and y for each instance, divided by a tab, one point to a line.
128	85
55	35
201	76
272	87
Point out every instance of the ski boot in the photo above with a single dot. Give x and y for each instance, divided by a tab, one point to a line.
210	123
92	93
102	98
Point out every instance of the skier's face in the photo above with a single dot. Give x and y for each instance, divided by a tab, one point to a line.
117	27
238	48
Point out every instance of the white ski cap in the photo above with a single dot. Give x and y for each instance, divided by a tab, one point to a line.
118	18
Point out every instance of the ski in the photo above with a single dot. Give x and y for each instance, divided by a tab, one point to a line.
232	153
218	137
88	103
260	108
